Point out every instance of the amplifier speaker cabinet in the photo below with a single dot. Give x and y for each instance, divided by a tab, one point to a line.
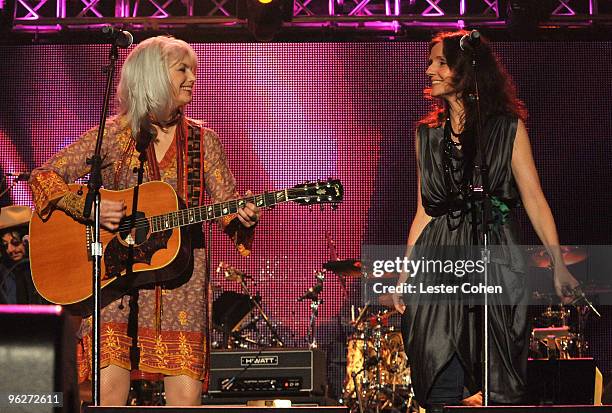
568	381
279	372
37	359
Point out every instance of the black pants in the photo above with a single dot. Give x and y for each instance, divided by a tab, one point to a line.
447	388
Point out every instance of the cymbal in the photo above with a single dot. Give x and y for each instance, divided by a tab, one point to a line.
570	254
349	268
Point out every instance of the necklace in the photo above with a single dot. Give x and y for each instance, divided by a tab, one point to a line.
450	124
165	126
453	133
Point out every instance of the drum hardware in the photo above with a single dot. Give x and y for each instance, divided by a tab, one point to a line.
335	263
348	268
237	308
312	294
556	336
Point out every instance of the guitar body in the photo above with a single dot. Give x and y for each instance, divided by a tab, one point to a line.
60	253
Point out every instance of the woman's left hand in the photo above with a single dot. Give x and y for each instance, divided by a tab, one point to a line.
565	284
249	215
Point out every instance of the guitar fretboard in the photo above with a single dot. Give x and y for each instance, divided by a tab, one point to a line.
203	213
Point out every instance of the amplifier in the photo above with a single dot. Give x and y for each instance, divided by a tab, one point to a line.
566	381
280	371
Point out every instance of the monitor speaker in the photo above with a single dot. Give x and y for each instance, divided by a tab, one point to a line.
37	355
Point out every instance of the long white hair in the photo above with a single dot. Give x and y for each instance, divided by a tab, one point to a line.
145	87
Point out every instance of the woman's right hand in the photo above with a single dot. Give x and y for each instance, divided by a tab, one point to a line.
111	213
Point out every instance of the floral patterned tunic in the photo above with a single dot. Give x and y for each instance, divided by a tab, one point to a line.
179	345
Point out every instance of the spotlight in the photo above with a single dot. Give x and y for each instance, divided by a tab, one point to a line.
524	16
265	17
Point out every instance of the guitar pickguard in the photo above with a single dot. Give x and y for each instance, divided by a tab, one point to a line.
116	254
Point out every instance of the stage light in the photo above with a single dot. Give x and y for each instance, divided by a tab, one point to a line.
524	16
265	17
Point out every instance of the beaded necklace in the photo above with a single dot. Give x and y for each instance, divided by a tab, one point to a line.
453	162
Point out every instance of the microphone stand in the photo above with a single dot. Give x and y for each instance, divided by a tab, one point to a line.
480	193
93	199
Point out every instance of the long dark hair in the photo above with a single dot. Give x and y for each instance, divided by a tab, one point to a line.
497	90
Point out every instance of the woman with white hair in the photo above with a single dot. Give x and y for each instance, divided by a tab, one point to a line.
156	83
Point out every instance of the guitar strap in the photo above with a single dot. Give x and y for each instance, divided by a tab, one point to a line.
195	181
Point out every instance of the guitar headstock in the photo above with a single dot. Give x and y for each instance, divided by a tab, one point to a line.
319	192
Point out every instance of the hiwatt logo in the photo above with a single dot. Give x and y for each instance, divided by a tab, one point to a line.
259	361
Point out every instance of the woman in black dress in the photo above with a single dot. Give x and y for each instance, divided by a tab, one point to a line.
441	335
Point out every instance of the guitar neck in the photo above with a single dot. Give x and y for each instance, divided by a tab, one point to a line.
203	213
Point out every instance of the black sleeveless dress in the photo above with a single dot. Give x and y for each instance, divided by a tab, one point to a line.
435	329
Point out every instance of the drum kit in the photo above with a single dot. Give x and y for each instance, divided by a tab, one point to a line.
559	331
377	371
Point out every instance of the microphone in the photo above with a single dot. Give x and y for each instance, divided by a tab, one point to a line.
580	297
20	176
470	40
120	38
146	134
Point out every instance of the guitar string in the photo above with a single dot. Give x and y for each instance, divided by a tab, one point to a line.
144	222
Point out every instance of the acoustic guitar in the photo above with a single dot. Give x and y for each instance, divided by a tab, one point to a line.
152	246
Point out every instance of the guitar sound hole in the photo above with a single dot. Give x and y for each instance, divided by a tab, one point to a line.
140	229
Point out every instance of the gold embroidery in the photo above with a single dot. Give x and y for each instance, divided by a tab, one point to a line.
161	352
218	175
60	163
73	205
185	351
111	344
242	250
182	317
46	186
